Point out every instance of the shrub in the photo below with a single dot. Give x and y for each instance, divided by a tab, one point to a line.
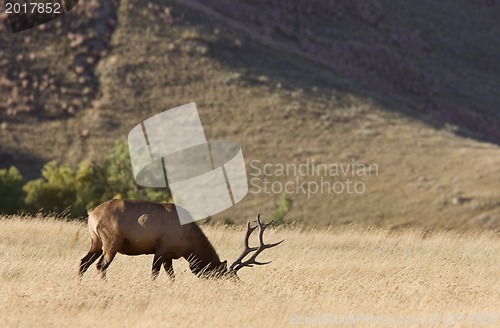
11	190
284	206
61	188
228	221
54	192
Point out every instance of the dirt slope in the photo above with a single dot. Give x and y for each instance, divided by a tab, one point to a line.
338	85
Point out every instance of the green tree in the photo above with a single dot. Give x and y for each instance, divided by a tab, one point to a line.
11	190
61	188
91	186
54	192
119	177
120	181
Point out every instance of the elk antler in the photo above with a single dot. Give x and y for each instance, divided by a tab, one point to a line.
238	264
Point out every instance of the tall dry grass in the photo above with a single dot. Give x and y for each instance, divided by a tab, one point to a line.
353	277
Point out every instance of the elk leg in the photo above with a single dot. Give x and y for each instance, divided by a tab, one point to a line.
93	254
104	262
87	261
169	268
155	270
99	265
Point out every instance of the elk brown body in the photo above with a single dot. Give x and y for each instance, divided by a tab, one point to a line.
140	227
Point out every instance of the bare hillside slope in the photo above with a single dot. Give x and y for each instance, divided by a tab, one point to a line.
340	85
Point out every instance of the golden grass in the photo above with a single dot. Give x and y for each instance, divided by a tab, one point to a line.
344	274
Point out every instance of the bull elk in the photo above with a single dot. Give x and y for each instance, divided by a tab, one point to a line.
141	227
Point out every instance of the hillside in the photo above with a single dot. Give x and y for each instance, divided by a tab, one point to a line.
410	87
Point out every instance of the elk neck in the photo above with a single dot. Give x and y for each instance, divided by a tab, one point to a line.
201	255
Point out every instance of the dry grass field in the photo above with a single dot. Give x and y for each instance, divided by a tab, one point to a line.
337	277
411	87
